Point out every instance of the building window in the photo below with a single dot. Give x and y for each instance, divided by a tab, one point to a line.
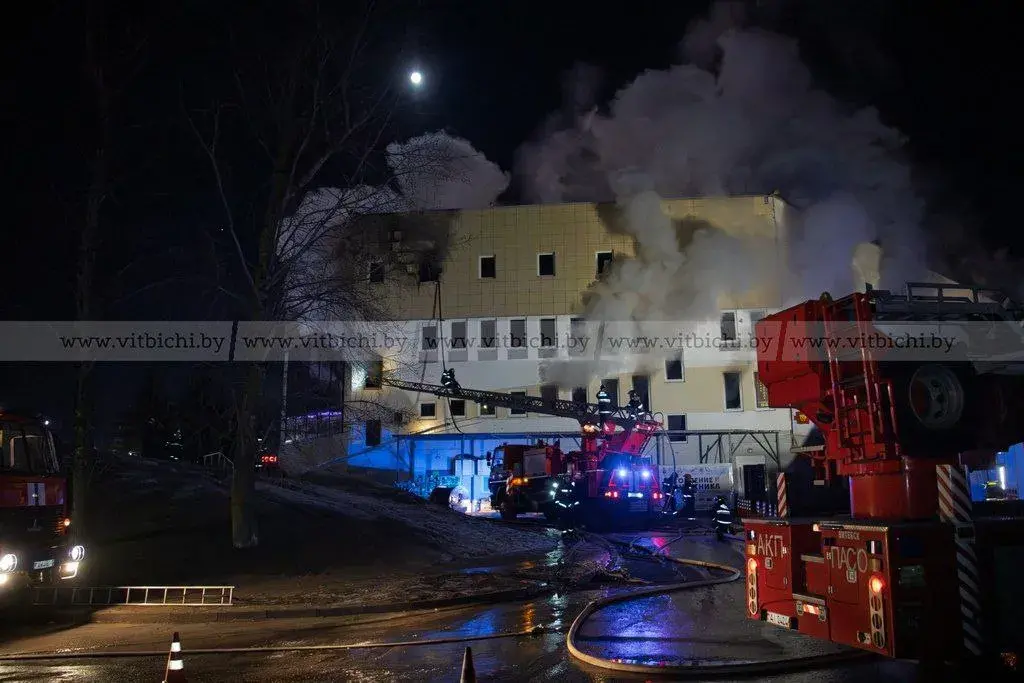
398	418
514	411
676	423
547	338
376	271
733	396
761	391
430	272
729	326
488	267
428	344
546	264
674	368
549	392
642	386
373	433
428	410
486	409
457	407
374	374
577	342
612	387
604	262
517	339
458	353
488	340
579	395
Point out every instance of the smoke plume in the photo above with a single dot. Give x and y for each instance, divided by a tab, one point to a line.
740	117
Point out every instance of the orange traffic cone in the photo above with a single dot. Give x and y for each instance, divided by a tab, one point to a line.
468	672
175	672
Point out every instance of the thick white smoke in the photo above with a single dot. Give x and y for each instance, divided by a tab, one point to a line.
740	117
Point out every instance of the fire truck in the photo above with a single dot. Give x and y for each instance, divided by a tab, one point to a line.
522	479
35	540
608	482
916	569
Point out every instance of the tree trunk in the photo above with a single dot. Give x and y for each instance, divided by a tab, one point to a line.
244	527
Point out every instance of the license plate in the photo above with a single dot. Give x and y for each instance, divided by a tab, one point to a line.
778	620
43	564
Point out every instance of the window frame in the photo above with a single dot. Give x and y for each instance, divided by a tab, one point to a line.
682	368
680	438
480	267
554	264
725	392
433	405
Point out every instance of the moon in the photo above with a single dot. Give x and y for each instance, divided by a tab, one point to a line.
416	78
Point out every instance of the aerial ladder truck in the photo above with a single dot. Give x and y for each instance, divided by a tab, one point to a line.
608	482
917	569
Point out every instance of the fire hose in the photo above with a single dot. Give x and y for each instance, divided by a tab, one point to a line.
690	671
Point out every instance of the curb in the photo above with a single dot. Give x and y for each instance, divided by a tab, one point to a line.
157	615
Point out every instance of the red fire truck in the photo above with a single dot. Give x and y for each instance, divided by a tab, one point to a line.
35	546
608	482
917	569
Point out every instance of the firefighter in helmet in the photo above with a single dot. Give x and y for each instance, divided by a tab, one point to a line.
722	518
688	497
604	404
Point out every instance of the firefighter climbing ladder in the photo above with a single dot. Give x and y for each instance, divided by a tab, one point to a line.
955	508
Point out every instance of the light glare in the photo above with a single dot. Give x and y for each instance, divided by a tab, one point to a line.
416	78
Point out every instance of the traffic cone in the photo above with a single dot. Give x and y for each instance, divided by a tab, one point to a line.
468	672
175	672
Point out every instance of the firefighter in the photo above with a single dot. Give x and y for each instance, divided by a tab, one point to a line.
604	404
448	379
636	406
688	497
669	486
723	518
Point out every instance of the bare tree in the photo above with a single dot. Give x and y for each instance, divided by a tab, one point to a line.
318	111
111	64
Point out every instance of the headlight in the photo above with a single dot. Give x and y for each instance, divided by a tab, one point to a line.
77	553
8	563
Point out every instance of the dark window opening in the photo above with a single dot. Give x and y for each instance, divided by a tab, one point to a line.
457	407
398	418
376	271
518	334
459	335
545	264
674	368
549	392
733	398
430	272
579	395
604	262
428	410
514	411
429	342
489	334
729	326
642	386
547	333
611	386
373	432
374	375
677	423
488	267
486	409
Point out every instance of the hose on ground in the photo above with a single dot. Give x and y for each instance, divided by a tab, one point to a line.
35	656
690	671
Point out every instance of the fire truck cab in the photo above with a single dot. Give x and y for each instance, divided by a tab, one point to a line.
35	541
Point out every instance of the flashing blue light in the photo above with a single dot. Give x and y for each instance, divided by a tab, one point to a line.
646	474
623	473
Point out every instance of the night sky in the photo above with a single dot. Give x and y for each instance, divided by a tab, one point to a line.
947	74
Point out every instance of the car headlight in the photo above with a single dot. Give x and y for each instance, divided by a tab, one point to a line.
77	553
8	563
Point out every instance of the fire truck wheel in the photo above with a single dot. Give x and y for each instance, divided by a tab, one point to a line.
507	510
935	403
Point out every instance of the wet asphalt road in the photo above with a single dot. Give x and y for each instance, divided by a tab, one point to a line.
704	625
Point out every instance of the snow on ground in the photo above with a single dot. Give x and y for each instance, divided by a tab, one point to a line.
340	539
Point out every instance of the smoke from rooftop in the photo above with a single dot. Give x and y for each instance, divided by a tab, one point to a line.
741	116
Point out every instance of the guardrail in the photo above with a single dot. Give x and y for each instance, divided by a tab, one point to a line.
165	596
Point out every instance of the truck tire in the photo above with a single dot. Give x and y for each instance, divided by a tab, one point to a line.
935	404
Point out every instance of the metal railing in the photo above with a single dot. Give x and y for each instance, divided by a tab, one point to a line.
217	461
164	596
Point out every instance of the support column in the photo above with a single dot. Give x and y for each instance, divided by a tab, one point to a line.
782	499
